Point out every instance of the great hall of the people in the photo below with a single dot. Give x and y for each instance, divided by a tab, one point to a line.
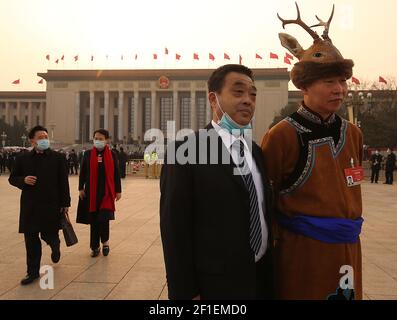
129	102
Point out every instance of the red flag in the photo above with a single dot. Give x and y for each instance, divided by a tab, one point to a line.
16	81
273	55
289	56
92	58
257	56
211	57
195	56
56	61
286	60
226	56
155	56
177	56
166	51
381	79
76	58
63	57
240	59
40	81
47	57
355	80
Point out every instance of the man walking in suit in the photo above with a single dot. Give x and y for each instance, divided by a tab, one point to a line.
376	161
214	208
390	165
42	175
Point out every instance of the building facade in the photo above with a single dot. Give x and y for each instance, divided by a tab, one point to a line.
27	107
130	102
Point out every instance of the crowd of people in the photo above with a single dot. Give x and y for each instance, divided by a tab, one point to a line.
8	156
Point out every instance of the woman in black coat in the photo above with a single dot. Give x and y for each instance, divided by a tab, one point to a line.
99	187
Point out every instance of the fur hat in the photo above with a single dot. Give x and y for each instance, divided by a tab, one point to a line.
304	73
321	60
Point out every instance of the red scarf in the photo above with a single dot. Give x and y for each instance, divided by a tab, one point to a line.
110	193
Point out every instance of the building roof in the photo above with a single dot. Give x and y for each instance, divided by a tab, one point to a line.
154	74
22	94
295	94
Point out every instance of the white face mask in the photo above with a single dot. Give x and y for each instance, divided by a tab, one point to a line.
43	144
226	122
99	144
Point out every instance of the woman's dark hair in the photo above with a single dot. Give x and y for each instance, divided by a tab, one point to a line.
103	132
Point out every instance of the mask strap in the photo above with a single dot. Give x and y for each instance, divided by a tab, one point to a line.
219	106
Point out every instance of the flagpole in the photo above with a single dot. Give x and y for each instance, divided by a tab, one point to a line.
165	62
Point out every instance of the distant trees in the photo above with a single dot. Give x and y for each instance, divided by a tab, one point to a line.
379	120
377	117
14	133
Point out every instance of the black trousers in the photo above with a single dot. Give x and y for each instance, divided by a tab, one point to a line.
75	167
389	176
33	249
99	233
122	170
375	174
265	278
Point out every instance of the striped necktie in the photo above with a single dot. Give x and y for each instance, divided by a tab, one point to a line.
255	223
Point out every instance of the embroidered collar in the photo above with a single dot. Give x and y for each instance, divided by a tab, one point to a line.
312	116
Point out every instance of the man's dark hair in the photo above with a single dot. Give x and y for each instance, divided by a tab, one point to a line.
121	149
217	79
103	132
33	131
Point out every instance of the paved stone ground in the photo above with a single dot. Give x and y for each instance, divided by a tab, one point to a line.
135	268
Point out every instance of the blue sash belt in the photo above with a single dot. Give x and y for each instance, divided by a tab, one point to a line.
328	230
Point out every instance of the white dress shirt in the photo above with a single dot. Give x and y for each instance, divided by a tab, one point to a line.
228	140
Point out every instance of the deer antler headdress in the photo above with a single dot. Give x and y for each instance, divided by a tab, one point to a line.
321	60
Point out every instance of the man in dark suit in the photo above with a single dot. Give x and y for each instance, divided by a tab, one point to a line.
376	161
73	162
214	213
42	175
390	165
123	159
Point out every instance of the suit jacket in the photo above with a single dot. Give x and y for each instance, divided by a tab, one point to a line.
376	161
41	203
204	222
390	162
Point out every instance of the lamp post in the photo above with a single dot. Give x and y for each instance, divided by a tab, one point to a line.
23	139
3	138
52	127
355	101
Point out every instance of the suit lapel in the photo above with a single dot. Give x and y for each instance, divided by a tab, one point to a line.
227	168
258	157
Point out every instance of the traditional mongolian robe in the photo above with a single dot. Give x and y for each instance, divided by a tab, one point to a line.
318	217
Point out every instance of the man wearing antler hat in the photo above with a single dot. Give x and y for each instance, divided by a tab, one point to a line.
315	166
